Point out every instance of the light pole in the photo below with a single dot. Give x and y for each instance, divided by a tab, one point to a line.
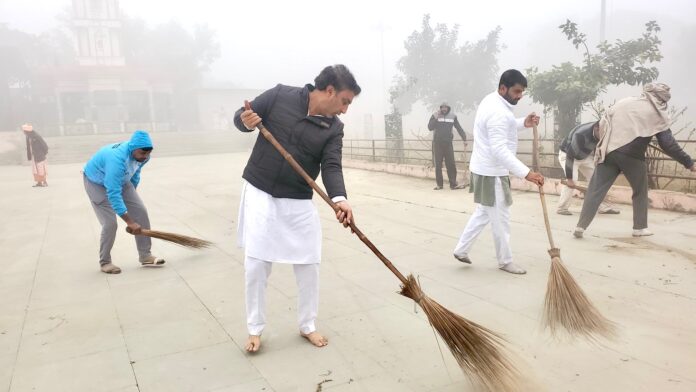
381	28
603	22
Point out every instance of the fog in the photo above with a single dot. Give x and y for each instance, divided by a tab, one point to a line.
268	42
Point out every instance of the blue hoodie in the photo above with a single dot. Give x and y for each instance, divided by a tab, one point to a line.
113	165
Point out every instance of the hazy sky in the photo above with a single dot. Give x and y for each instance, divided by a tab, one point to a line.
267	42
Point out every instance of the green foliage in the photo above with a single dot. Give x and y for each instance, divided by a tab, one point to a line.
437	69
568	87
563	85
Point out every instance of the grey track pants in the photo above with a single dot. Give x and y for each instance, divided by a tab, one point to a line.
636	172
108	219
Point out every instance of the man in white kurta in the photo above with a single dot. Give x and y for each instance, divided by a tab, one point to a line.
278	222
492	160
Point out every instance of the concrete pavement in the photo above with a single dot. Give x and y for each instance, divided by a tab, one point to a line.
65	326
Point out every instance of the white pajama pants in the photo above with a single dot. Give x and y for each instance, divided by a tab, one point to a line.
257	272
586	167
499	218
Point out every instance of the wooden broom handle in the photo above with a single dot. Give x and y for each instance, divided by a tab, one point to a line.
296	166
535	164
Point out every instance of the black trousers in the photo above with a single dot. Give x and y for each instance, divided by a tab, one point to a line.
444	150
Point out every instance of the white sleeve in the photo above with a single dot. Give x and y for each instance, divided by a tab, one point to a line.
338	198
520	122
497	135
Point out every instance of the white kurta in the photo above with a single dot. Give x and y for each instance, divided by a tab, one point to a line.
494	155
278	230
495	139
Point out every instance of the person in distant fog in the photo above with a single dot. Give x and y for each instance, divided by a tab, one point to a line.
37	149
441	123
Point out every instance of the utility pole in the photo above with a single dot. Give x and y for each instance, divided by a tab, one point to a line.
603	22
382	28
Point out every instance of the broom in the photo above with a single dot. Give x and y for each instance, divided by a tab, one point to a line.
478	350
583	189
179	239
566	306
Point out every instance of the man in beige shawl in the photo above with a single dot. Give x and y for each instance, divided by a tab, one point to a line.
625	132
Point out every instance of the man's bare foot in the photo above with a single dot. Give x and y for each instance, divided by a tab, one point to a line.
253	343
315	338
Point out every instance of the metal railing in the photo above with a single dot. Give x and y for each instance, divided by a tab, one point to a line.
419	152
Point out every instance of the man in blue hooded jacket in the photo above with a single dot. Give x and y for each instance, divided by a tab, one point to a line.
111	177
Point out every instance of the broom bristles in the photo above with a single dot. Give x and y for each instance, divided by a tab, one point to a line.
478	350
179	239
567	307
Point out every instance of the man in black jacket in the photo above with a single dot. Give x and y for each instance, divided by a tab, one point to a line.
442	122
37	149
278	222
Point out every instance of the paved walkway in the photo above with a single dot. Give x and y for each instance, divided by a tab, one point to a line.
64	326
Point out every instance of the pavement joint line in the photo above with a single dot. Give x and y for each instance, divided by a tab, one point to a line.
123	335
163	355
31	292
200	300
411	203
178	195
214	245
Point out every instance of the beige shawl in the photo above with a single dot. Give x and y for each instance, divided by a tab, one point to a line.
633	117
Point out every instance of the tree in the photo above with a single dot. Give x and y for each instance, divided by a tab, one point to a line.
436	69
23	53
170	49
167	50
568	87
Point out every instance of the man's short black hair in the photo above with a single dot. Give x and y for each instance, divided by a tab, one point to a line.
146	148
512	77
338	76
